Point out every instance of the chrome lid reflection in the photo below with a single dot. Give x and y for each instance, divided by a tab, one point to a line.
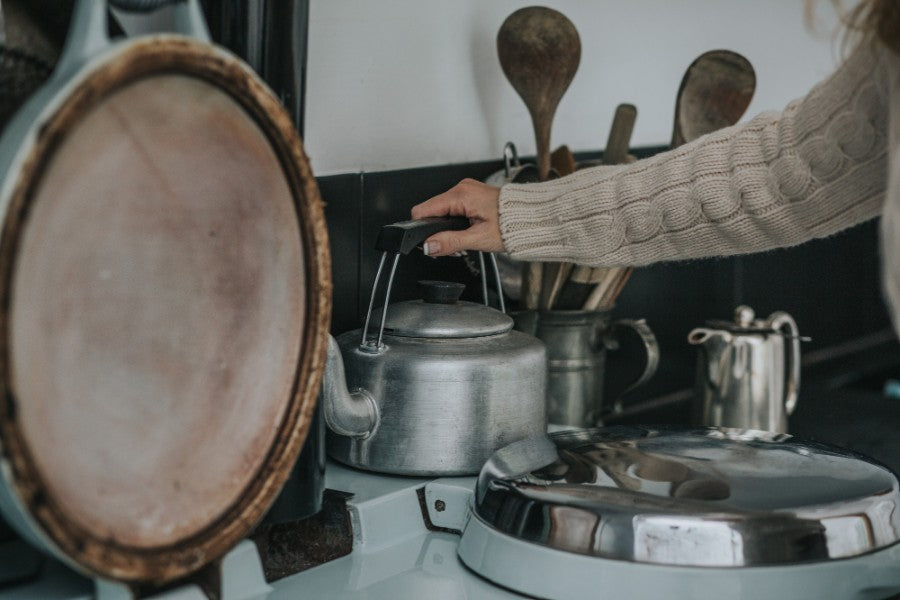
700	497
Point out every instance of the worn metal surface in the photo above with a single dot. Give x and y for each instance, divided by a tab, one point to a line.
450	384
442	405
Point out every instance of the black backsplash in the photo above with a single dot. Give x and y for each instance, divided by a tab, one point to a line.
830	286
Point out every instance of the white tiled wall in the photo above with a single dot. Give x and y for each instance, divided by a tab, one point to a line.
403	83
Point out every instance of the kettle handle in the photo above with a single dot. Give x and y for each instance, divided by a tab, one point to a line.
400	238
403	236
781	321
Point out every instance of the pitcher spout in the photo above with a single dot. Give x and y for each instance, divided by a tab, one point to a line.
703	336
714	350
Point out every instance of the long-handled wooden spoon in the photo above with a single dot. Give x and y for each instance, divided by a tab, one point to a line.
714	93
539	51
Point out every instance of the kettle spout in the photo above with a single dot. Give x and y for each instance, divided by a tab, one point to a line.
352	414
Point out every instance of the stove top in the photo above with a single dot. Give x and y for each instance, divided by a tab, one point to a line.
406	536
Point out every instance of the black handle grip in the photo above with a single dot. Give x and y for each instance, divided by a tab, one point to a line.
402	237
141	6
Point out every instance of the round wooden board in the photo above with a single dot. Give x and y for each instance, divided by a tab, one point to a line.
166	291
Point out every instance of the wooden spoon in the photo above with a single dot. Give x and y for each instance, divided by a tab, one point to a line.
714	93
563	161
616	151
539	51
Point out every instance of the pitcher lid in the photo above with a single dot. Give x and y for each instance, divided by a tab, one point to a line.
745	321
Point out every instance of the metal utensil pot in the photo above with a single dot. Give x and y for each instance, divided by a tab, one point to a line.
748	373
443	384
577	341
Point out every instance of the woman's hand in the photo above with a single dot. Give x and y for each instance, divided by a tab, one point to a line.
469	198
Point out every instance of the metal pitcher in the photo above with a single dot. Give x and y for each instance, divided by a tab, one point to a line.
748	372
578	393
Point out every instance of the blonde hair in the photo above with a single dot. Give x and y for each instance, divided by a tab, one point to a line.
870	20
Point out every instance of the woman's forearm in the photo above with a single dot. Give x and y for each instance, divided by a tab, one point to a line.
778	180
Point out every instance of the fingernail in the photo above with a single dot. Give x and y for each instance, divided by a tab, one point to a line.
431	248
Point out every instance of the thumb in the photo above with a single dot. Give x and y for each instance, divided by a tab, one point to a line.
446	243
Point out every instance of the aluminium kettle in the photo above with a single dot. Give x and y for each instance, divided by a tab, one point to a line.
748	372
439	385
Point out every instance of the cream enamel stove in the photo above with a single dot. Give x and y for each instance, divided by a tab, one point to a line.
629	512
621	512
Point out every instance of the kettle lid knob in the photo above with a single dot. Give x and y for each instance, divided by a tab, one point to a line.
744	315
441	292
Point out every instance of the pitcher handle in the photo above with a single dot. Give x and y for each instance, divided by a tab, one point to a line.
651	348
780	321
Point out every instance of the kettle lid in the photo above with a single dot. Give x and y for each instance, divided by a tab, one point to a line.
440	314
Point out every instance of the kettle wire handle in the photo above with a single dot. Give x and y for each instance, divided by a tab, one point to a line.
387	297
400	238
484	285
779	321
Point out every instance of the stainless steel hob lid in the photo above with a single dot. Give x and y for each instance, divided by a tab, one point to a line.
698	497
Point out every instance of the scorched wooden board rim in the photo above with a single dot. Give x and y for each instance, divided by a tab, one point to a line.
164	302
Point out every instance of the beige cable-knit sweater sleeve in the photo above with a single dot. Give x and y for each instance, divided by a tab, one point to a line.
778	180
